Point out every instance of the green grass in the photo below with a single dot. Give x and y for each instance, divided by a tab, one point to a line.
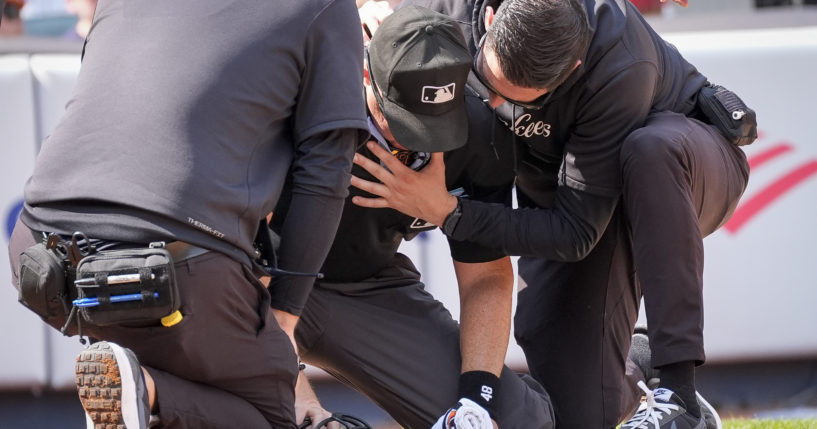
769	424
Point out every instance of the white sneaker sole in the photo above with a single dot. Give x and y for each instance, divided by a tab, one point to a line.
130	408
718	424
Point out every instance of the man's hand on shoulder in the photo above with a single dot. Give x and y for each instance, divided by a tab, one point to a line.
421	194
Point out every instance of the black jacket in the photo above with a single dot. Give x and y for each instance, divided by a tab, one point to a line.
568	150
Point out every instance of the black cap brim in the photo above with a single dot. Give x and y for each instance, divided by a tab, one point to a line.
427	133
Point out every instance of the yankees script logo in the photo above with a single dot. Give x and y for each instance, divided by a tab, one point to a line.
524	126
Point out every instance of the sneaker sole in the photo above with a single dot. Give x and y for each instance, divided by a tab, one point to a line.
102	389
712	410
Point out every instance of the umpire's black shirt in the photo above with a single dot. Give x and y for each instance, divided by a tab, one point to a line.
367	239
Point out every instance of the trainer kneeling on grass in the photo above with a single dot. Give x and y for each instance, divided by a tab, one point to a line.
604	111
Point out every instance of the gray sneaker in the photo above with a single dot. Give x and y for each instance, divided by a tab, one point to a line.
713	420
111	388
662	409
641	355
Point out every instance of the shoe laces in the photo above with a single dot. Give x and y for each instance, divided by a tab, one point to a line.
650	413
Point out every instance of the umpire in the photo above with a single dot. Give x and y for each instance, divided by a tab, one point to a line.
370	322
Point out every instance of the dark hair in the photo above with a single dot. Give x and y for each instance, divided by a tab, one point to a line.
537	42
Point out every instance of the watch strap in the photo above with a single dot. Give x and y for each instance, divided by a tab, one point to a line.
453	218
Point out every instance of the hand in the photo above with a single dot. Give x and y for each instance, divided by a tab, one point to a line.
466	415
372	13
683	3
315	414
307	405
421	194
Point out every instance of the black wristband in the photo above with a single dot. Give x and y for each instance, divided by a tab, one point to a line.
481	387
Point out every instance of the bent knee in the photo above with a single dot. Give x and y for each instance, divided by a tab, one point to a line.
651	148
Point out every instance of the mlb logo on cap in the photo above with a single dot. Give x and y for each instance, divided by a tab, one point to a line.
438	94
418	65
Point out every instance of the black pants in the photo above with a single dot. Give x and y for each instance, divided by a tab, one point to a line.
389	339
682	180
226	365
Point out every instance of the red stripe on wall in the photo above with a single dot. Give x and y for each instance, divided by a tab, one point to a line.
768	195
768	154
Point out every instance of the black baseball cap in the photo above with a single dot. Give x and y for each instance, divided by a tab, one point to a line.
419	62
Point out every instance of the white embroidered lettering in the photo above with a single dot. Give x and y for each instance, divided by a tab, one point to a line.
205	228
524	127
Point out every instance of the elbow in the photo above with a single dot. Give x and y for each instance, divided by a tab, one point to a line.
582	251
574	256
575	249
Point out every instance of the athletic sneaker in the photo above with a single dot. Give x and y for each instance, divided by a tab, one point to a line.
641	355
112	388
662	409
713	420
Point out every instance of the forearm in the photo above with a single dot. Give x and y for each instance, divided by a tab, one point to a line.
287	322
566	232
307	404
307	223
486	291
303	391
485	320
306	237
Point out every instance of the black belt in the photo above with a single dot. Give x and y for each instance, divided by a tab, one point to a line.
179	250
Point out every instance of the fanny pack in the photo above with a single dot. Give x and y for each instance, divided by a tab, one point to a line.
60	279
43	277
724	110
126	286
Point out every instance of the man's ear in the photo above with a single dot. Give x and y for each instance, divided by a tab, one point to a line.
489	17
578	63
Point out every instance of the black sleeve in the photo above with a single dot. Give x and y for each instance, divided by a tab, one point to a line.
473	252
309	223
567	232
483	169
589	189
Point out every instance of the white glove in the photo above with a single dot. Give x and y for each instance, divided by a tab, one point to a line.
467	415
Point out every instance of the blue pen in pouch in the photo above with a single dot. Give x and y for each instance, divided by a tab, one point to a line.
94	301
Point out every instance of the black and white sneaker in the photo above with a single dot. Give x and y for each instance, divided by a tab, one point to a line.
641	355
710	414
112	388
662	409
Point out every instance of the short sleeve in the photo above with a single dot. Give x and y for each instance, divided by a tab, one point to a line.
331	92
